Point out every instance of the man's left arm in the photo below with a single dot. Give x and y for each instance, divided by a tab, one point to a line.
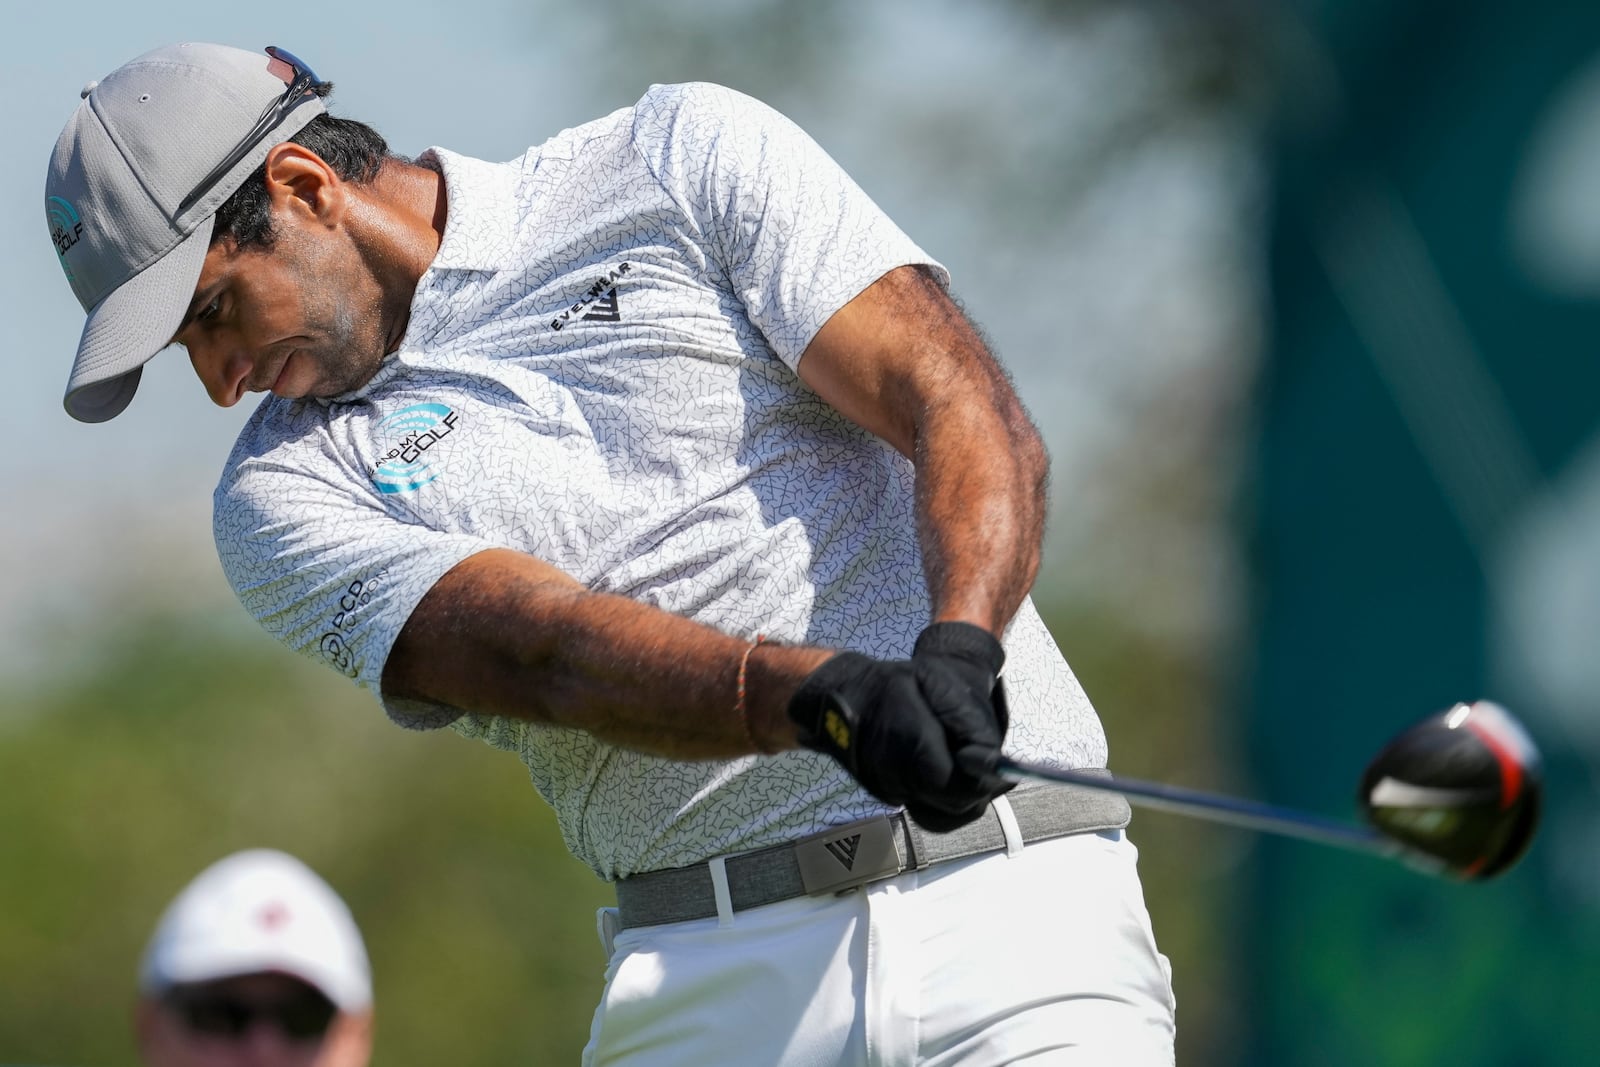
902	361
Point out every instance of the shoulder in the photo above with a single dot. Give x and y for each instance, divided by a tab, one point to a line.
698	110
705	142
283	441
706	97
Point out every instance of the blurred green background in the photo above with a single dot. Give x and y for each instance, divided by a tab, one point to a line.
1303	296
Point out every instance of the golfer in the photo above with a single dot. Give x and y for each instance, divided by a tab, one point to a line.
660	457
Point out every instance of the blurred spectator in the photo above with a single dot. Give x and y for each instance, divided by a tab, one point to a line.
257	962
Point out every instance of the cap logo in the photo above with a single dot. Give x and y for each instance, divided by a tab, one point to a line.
273	916
66	228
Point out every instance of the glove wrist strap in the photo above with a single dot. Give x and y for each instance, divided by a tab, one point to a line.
964	641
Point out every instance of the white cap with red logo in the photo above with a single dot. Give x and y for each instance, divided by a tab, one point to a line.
256	912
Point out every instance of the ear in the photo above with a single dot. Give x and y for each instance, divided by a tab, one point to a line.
302	183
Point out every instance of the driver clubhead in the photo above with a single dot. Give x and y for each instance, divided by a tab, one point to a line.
1461	788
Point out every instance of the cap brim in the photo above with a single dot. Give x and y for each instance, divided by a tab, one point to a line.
134	322
217	963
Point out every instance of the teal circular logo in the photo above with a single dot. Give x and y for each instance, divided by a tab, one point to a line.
405	438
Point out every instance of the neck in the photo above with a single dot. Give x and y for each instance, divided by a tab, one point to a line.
402	215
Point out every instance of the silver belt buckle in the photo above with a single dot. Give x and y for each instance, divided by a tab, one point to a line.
847	856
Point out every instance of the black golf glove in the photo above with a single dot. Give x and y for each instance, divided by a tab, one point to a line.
924	732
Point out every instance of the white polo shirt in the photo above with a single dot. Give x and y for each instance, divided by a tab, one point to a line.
599	370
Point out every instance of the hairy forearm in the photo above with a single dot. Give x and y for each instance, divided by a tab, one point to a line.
503	634
981	499
903	361
982	475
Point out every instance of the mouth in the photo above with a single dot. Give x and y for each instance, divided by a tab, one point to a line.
272	381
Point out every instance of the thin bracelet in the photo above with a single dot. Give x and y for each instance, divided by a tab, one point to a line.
739	705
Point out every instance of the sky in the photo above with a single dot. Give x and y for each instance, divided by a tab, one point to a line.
1000	150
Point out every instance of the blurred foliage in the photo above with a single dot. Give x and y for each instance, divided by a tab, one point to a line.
1428	389
187	741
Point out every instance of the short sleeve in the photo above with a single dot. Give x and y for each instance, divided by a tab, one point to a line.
328	571
796	236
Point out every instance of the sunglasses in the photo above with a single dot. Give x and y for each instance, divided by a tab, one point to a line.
301	88
305	1016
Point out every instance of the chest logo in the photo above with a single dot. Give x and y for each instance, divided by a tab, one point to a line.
599	302
405	439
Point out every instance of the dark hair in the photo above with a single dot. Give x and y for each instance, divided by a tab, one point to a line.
353	149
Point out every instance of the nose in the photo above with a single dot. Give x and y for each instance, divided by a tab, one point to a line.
224	369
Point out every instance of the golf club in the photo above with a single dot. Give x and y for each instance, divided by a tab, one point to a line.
1457	794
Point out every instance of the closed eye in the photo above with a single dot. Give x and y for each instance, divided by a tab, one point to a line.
210	311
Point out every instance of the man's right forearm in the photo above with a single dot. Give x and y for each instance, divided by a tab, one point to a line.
505	634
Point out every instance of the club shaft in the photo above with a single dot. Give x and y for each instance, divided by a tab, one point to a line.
1213	807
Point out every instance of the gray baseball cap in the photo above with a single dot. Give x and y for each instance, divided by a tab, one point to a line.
133	190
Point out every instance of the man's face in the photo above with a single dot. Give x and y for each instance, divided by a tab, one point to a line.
303	317
257	1020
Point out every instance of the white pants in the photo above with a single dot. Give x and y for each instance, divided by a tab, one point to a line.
1044	956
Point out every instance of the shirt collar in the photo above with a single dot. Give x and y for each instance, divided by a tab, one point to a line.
479	230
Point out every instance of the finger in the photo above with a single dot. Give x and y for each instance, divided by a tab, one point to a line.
978	762
967	716
908	740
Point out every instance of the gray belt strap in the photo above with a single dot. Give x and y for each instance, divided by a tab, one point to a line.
844	857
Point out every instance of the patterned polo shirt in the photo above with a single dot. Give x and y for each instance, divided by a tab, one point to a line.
599	370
